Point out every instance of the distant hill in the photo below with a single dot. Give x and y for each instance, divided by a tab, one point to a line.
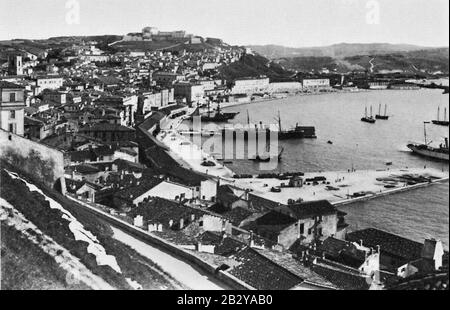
341	50
418	61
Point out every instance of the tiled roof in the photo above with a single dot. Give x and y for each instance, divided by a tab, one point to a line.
389	243
161	210
312	208
5	84
224	246
343	252
133	192
128	165
81	156
286	260
340	278
435	281
275	221
237	215
261	273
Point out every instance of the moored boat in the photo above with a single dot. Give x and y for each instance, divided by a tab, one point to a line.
439	153
368	119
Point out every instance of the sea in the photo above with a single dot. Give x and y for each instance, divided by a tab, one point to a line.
343	142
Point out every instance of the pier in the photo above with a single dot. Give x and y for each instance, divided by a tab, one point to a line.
342	187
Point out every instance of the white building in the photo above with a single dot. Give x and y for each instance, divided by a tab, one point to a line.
191	91
316	84
281	87
12	105
49	82
250	85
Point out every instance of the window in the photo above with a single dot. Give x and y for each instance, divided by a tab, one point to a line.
12	114
302	229
309	231
12	97
12	128
320	231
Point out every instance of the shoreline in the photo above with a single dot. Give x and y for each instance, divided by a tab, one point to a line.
341	188
337	92
391	192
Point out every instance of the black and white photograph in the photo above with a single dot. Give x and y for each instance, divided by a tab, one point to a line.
222	150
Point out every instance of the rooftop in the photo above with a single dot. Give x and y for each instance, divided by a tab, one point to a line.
5	84
105	127
261	273
133	192
389	243
311	208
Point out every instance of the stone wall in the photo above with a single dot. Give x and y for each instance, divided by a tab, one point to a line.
44	163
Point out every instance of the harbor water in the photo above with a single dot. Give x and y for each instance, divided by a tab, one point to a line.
416	214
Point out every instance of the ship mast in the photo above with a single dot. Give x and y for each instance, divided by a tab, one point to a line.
279	121
439	114
379	109
385	110
445	114
248	118
371	111
425	131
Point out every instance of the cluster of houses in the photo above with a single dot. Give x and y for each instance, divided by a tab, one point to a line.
105	119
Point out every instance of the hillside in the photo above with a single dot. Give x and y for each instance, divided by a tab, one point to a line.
51	242
413	62
254	65
341	50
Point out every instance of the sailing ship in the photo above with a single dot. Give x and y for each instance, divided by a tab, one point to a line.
379	115
298	132
440	153
217	116
368	119
440	122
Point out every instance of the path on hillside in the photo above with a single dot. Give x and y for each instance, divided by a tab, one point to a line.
179	270
372	65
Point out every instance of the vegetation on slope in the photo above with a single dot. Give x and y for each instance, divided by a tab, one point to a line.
254	65
410	62
26	267
36	209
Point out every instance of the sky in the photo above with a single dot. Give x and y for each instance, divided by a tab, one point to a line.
294	23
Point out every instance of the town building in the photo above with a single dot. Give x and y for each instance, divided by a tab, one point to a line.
250	85
306	222
316	84
15	64
48	82
12	107
167	78
108	132
192	92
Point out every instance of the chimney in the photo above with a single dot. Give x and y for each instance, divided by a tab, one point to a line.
181	223
433	251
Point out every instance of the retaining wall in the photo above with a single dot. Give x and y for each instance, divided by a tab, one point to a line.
170	248
43	162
